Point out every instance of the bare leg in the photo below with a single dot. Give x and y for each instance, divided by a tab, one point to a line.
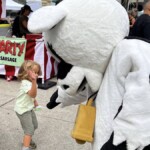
26	140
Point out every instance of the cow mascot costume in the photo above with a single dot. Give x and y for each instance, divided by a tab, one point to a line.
89	39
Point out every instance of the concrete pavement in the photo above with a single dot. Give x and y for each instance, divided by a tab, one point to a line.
54	128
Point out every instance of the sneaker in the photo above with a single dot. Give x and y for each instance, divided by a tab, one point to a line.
33	145
26	148
9	78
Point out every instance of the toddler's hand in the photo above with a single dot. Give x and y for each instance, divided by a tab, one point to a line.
36	103
32	75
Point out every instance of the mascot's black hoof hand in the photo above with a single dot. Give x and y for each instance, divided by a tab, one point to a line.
52	102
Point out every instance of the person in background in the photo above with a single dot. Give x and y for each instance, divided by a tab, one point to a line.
134	13
141	27
140	10
26	102
19	27
15	26
25	12
131	20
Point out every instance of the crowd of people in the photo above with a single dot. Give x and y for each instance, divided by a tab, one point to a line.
139	21
140	24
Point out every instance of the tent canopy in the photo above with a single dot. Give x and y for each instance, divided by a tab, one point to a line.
11	5
34	4
26	1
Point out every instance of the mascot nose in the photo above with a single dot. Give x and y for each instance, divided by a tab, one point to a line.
52	102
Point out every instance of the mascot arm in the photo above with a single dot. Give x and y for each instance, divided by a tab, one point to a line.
132	124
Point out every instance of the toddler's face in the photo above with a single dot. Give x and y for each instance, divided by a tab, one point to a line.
33	72
35	69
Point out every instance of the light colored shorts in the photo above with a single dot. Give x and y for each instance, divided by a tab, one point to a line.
28	122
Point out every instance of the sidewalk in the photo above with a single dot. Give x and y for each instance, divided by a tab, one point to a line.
54	125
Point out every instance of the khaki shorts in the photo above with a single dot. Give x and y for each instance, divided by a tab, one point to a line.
28	122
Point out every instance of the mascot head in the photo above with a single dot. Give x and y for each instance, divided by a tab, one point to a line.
82	33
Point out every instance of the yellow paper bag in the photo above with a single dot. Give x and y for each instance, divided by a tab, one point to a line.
84	123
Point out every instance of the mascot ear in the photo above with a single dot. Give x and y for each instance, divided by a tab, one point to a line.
46	18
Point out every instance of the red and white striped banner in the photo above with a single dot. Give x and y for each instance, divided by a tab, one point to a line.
36	51
2	8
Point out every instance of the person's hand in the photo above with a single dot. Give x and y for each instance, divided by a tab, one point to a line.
36	103
32	75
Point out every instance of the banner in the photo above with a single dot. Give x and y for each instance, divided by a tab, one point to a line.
12	51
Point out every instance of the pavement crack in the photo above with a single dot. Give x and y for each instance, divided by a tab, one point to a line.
56	119
7	102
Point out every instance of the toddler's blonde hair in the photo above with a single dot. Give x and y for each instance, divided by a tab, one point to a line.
25	67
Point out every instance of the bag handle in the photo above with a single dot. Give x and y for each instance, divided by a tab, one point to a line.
89	102
90	99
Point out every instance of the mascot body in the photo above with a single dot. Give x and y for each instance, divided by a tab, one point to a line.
88	37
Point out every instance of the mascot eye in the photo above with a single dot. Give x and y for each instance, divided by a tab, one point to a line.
65	87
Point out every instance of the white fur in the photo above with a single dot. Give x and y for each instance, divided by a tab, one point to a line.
127	80
75	77
56	14
66	100
73	80
81	36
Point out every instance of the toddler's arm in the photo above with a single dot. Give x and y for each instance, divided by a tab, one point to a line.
33	91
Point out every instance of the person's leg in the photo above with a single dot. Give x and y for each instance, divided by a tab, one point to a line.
26	140
34	120
35	125
28	127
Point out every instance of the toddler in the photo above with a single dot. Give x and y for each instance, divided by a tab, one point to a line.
25	101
